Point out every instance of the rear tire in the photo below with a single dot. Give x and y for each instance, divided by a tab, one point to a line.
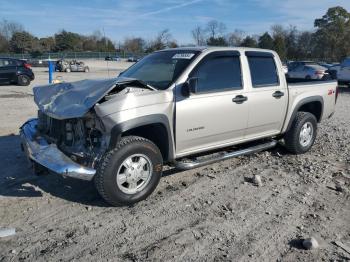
130	172
23	80
302	134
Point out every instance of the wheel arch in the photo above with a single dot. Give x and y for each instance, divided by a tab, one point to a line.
156	128
312	104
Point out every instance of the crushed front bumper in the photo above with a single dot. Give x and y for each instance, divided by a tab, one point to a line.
48	155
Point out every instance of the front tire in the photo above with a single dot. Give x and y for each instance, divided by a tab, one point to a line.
130	172
302	134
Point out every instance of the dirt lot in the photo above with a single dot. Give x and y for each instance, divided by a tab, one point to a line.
211	213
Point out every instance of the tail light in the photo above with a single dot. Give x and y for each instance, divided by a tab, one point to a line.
27	65
319	72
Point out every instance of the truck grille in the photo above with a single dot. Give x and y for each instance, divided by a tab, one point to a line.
50	127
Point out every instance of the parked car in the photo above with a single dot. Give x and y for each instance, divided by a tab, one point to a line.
184	107
15	71
344	72
333	71
71	66
309	72
325	65
133	59
112	58
294	64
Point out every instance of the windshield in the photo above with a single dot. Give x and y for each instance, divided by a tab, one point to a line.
161	69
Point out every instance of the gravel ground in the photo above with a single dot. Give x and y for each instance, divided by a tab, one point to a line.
213	213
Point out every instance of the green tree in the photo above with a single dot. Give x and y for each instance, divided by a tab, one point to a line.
23	42
105	45
249	42
217	41
305	46
68	41
47	44
266	41
279	41
333	33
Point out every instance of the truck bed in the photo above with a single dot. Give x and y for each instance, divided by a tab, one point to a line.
325	91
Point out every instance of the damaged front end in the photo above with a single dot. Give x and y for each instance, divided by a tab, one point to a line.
68	137
82	139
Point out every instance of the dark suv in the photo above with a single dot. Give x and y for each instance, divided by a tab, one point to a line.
15	71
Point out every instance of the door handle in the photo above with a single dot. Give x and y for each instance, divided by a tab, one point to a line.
239	99
278	94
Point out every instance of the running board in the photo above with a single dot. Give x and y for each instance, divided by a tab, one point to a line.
250	150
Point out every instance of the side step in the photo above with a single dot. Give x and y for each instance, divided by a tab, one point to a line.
199	163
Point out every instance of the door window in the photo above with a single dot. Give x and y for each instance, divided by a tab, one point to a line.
263	71
218	73
7	62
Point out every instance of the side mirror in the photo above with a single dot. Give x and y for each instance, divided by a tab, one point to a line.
190	86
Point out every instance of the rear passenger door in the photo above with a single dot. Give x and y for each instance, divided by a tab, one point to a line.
268	97
216	115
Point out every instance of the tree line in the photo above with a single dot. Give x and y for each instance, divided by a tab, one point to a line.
328	41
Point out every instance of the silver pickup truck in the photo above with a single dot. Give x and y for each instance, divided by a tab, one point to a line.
184	107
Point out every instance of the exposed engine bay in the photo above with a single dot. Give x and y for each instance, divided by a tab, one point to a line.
82	139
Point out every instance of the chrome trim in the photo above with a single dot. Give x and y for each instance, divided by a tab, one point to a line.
246	151
49	156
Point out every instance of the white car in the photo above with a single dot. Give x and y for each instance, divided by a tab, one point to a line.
344	72
308	72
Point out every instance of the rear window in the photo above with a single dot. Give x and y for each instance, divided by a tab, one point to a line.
263	70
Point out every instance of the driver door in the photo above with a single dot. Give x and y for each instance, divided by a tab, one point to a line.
215	115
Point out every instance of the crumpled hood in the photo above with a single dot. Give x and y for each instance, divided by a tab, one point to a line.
72	100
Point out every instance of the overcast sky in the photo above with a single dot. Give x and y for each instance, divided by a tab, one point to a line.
122	18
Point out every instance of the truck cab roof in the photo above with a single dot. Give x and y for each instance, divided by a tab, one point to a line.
217	48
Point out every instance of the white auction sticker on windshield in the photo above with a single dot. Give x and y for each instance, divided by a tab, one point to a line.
183	56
